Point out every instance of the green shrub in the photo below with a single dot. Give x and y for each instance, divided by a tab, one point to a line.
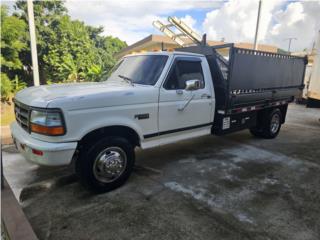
6	88
10	87
17	85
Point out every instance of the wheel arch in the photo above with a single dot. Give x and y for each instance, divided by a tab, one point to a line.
283	109
261	115
113	130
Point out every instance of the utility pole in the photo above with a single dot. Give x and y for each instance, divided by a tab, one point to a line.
290	39
257	26
33	43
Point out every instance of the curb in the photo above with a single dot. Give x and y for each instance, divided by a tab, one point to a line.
16	223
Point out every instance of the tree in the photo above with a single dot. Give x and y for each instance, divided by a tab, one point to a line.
13	36
107	46
68	50
45	14
13	41
71	51
78	52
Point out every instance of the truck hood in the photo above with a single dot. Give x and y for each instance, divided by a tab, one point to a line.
61	94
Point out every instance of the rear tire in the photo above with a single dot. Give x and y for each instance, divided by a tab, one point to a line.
106	165
270	126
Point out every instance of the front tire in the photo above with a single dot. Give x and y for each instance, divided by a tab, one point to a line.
270	126
106	165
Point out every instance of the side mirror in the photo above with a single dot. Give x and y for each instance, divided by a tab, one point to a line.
193	85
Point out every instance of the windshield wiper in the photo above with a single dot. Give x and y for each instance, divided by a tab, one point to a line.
129	80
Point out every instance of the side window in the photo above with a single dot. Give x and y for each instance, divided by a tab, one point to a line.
183	71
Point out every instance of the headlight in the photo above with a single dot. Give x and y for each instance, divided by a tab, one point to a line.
47	122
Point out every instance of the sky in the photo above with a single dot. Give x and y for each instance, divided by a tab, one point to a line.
233	20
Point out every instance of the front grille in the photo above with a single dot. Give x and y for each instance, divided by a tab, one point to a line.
22	115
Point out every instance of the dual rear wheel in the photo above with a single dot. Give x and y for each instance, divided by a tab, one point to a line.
269	126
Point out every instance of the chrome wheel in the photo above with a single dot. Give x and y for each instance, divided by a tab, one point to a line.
275	123
109	164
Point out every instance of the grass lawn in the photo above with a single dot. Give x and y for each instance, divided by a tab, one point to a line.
7	114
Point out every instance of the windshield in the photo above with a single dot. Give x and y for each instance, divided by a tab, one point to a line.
139	69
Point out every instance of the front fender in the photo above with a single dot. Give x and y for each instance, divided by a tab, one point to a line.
112	122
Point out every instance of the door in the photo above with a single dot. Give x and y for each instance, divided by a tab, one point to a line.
181	109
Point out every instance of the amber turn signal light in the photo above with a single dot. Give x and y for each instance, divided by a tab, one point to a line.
53	131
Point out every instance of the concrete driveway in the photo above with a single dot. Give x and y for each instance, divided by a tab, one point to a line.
231	187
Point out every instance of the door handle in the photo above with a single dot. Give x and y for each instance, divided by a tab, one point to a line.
179	91
205	96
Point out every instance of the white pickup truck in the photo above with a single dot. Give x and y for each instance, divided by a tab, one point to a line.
148	100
